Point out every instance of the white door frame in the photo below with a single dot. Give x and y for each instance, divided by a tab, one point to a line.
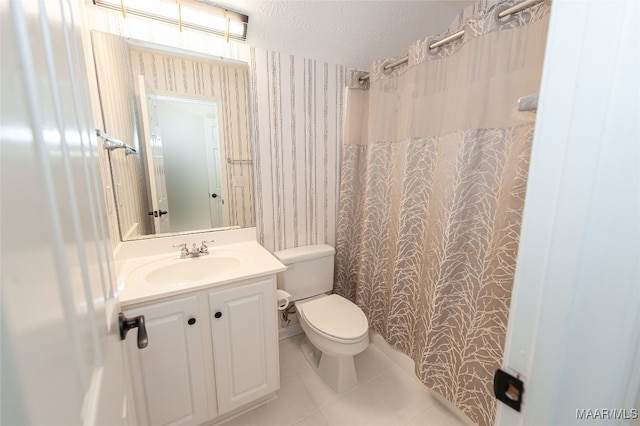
154	157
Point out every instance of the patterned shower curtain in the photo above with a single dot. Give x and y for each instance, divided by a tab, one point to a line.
434	172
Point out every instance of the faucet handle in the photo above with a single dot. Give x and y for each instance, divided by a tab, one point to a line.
203	248
184	251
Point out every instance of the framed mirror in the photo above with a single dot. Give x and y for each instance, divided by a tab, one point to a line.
187	117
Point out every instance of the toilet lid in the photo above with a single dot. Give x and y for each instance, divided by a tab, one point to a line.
336	316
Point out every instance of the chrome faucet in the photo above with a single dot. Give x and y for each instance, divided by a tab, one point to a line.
194	251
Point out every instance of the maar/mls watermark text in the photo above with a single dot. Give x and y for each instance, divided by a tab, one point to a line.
606	413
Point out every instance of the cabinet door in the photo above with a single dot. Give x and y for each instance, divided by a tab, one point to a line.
168	374
245	343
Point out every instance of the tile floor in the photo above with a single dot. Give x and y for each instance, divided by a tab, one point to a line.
385	395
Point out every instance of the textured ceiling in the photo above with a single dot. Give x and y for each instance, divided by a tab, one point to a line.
352	33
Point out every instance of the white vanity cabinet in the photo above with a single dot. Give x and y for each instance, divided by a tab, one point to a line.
168	375
211	351
245	343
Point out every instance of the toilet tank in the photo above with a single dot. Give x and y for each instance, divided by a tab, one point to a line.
309	270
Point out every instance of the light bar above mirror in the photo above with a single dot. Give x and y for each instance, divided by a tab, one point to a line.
196	15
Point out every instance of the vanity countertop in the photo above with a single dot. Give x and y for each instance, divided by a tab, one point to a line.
237	262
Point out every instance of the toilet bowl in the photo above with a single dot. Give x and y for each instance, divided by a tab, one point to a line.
336	329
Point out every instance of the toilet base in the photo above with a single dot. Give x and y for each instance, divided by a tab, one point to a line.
339	372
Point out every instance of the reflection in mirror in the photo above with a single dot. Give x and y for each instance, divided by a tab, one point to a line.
187	114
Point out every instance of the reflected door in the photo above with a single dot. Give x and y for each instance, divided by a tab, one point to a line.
154	157
187	161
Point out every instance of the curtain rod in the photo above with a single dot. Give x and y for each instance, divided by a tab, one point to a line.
510	11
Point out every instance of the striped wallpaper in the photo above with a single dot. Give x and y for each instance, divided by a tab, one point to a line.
297	123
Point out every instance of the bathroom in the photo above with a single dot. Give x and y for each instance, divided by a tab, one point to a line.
574	320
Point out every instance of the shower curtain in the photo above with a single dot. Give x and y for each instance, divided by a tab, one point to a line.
433	179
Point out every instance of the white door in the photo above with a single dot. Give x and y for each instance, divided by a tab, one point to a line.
574	325
185	161
154	157
245	343
62	357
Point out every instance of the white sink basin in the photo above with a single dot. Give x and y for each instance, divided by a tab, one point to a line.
176	271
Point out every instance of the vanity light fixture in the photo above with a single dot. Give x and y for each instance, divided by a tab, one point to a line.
193	14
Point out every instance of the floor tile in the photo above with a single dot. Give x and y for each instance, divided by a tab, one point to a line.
291	359
371	363
394	398
401	395
321	393
315	419
358	408
385	396
250	418
438	415
292	404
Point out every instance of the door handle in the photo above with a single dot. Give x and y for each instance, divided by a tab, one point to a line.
127	324
163	212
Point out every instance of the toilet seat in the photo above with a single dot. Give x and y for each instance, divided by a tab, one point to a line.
335	318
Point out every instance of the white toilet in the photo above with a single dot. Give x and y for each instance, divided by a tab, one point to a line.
336	327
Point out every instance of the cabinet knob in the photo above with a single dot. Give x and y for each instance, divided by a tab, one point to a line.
218	314
191	321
